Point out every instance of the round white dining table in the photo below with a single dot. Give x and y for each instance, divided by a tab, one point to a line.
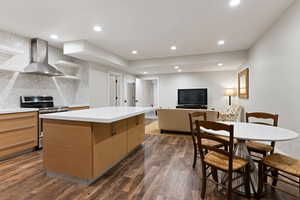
253	132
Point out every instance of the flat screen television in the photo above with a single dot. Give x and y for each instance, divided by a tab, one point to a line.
192	97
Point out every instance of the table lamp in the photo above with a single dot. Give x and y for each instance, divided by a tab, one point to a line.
230	92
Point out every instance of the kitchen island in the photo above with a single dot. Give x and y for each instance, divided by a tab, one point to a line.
82	145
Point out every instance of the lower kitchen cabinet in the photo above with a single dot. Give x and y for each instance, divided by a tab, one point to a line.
141	133
110	144
141	129
103	155
136	132
68	148
133	140
18	132
119	140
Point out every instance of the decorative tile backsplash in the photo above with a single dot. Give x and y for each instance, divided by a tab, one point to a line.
16	84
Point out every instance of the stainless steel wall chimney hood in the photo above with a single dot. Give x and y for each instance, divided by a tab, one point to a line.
39	60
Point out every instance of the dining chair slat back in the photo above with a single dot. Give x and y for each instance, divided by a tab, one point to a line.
196	116
262	115
192	119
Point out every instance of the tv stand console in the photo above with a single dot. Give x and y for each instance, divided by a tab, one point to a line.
192	106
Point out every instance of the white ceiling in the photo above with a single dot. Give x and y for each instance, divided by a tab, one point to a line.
148	26
199	63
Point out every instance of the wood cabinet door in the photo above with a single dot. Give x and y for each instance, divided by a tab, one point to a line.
103	147
141	128
103	156
136	131
132	138
119	140
141	133
68	148
141	119
18	132
119	143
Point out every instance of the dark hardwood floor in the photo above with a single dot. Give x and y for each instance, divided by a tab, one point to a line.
160	170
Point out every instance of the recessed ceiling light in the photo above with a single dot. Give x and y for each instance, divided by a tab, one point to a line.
55	37
176	67
145	72
134	52
234	3
220	64
97	28
221	42
179	70
173	48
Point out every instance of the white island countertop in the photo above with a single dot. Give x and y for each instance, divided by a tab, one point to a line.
99	115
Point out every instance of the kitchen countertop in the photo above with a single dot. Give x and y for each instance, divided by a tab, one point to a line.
78	105
16	110
21	110
99	115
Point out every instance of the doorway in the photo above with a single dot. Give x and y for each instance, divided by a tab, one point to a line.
147	92
130	94
115	89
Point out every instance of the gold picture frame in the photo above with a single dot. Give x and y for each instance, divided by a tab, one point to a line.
243	84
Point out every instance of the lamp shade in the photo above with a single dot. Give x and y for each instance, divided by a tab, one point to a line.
230	92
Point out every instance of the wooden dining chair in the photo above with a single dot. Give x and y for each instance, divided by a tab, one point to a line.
282	166
257	147
221	159
192	119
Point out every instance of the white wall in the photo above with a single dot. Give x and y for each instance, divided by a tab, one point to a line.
274	63
216	82
99	84
139	92
15	84
155	93
148	93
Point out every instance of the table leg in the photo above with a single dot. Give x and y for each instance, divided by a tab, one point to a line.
241	150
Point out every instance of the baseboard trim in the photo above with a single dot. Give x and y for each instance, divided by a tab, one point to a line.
175	132
6	157
281	152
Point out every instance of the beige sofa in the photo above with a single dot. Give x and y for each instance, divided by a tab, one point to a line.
178	119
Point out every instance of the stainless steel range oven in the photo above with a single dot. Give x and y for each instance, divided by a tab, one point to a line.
45	105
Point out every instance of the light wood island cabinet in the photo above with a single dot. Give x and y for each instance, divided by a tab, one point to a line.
136	132
82	151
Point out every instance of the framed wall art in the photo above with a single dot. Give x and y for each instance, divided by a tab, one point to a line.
243	84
